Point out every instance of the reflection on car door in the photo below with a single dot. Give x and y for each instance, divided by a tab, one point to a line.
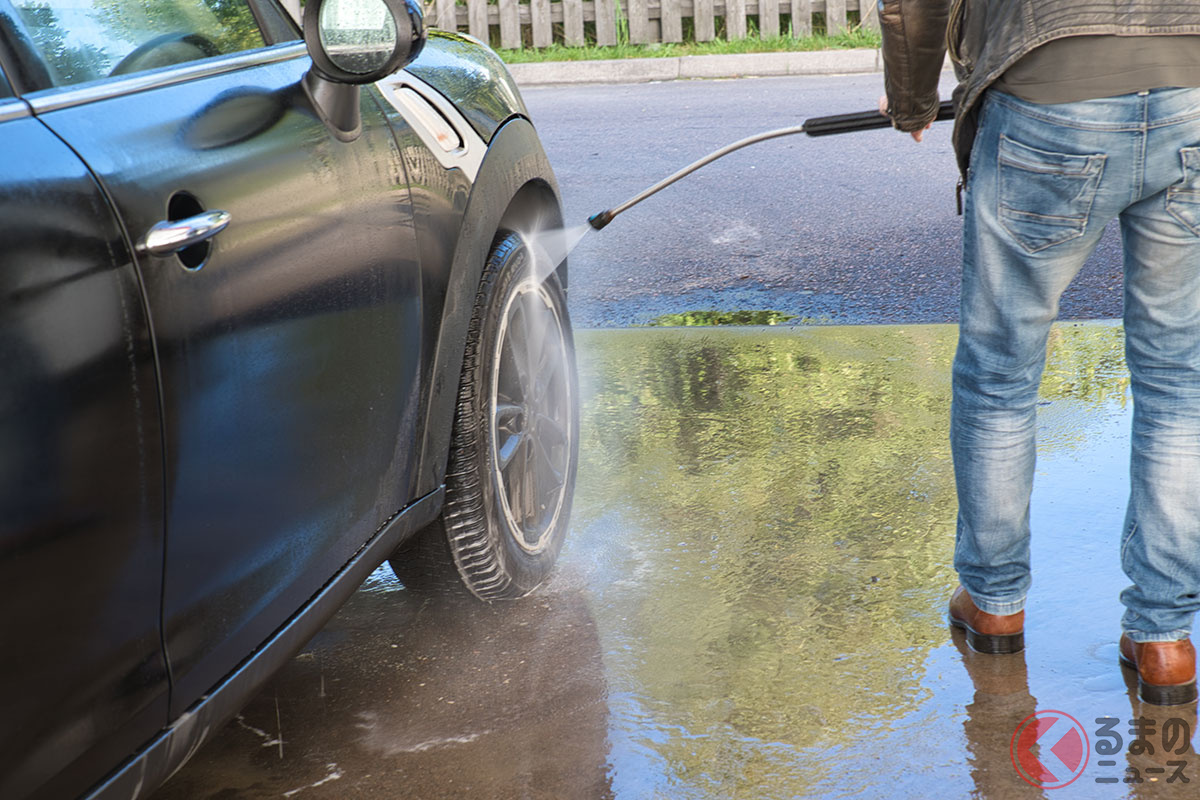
83	681
288	344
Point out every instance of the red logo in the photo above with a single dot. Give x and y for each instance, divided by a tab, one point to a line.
1062	749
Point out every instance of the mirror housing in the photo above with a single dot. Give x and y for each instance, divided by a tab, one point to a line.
355	42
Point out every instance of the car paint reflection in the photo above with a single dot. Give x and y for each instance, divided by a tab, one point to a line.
81	544
237	115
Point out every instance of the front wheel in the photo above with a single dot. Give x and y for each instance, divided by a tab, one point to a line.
515	444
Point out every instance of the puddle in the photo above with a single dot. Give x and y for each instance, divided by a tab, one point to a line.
768	521
689	319
750	603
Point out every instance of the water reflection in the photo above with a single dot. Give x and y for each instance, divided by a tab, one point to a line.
751	601
783	506
768	517
1001	702
1162	762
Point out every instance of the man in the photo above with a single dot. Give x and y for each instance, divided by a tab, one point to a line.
1070	114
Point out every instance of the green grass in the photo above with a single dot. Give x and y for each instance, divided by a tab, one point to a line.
856	37
705	318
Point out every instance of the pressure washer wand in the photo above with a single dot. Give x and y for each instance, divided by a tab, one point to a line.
817	126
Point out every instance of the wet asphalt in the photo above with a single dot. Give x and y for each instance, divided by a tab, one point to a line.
749	605
850	229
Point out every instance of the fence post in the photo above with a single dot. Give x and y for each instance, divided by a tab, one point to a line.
702	16
539	18
801	18
510	25
835	17
639	21
477	20
572	22
606	22
735	19
672	21
768	18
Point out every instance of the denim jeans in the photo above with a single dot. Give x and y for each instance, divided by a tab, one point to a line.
1044	181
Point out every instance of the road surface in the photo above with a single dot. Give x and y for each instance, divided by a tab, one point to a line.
844	229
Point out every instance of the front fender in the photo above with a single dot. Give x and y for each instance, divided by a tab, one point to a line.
470	75
515	163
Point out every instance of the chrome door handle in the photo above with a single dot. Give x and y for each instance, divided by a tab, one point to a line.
168	237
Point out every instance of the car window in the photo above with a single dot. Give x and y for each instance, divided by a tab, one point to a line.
85	40
4	90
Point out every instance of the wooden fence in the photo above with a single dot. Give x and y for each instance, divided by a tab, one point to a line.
543	22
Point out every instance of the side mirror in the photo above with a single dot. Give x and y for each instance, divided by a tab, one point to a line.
353	42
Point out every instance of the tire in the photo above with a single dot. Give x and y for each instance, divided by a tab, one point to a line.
514	448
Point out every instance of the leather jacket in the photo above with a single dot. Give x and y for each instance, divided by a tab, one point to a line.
986	37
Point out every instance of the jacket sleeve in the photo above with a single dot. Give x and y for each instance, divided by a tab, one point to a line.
914	49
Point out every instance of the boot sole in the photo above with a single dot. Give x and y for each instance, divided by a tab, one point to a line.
1177	694
990	643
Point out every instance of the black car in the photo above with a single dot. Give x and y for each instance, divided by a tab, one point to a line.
269	316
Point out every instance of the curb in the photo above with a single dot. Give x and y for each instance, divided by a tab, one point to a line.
740	65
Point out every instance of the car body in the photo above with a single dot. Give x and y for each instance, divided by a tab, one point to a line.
204	451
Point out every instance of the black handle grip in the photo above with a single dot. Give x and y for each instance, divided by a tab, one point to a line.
862	121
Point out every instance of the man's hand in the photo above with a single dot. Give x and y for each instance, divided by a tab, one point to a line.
917	135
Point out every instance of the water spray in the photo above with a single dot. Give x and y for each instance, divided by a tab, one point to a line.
551	247
817	126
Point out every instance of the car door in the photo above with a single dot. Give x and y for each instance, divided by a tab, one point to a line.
83	680
287	343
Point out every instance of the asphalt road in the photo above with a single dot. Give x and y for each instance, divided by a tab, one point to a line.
845	229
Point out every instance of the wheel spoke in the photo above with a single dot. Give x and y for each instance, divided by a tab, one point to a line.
505	411
549	425
517	343
529	484
509	449
549	365
547	462
517	482
533	350
552	494
508	387
539	322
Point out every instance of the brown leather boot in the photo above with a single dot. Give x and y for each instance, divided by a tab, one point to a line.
987	633
1166	670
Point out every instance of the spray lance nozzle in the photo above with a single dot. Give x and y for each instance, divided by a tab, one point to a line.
817	126
598	221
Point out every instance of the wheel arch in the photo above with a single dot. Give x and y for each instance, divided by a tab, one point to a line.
515	190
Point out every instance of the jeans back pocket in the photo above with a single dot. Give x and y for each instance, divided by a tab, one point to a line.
1183	198
1045	198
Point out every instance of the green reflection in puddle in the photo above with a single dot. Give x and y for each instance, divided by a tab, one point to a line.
707	318
770	518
